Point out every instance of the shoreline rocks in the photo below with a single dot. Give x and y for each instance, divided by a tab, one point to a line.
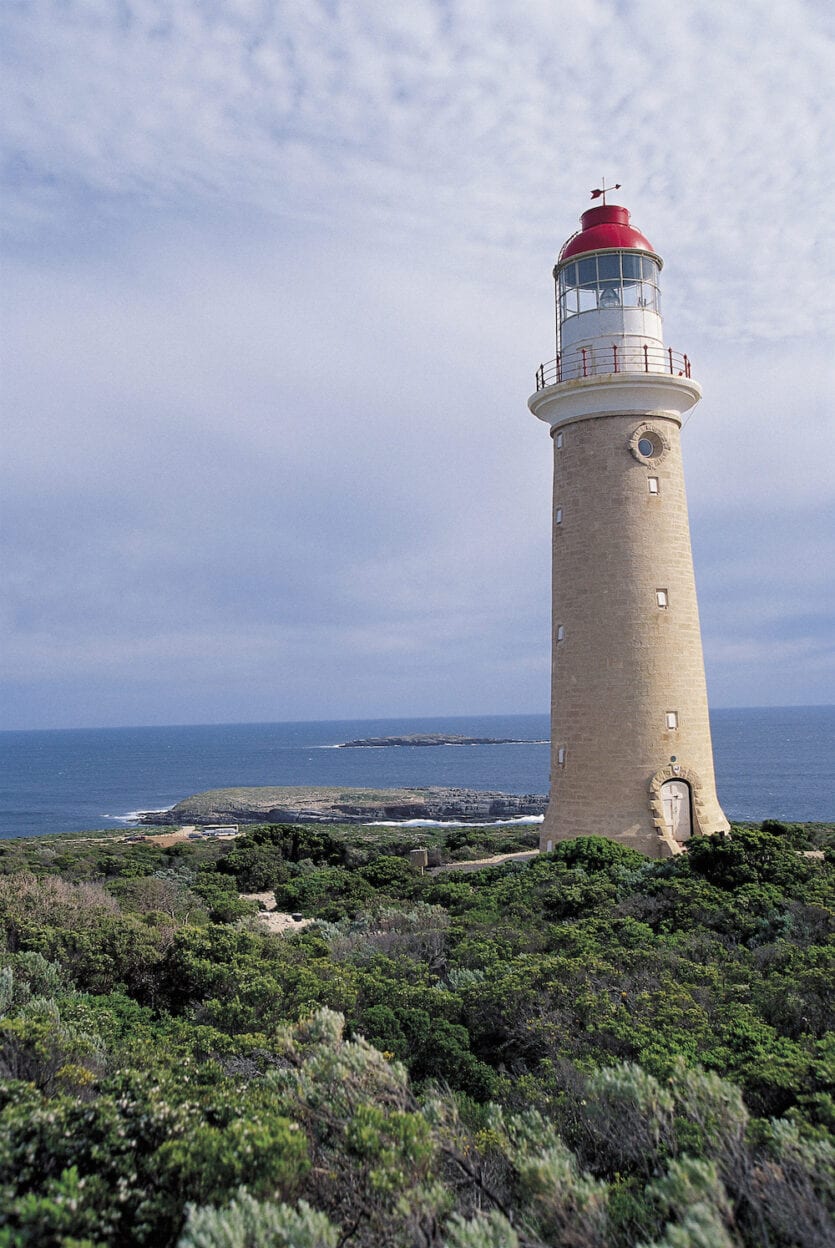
333	805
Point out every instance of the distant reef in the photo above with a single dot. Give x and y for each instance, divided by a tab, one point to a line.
333	805
434	738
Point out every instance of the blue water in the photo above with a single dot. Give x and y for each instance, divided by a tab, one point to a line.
770	763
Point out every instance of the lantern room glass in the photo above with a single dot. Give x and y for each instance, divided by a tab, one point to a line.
610	279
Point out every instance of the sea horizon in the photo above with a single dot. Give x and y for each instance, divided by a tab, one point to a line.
771	762
348	719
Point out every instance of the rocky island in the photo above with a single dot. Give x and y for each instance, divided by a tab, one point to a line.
302	804
435	738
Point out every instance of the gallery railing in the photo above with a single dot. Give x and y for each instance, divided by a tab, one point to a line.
601	361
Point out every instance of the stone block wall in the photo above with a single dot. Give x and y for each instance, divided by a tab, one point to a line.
621	662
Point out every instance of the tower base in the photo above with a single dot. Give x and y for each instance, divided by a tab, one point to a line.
674	806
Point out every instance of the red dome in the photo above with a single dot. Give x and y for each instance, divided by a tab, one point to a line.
605	226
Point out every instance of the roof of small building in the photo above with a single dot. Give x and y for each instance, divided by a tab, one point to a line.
604	226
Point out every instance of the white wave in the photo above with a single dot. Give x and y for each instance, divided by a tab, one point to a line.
133	816
449	745
453	823
470	744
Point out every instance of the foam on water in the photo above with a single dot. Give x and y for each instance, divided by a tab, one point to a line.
133	816
453	823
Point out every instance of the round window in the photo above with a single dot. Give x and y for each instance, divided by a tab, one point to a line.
648	443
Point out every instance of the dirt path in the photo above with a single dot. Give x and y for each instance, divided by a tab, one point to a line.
164	839
279	923
275	921
524	855
189	831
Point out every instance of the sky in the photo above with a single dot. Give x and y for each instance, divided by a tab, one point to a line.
275	282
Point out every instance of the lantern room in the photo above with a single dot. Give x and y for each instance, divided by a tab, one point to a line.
607	286
608	279
610	344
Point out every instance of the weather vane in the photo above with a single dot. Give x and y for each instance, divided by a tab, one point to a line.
602	189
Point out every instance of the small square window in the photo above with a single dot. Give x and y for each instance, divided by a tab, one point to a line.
661	597
631	267
652	485
569	301
561	756
560	632
587	271
558	516
559	441
672	719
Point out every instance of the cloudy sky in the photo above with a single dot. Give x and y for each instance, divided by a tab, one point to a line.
276	279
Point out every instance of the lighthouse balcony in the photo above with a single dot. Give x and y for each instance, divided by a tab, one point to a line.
606	380
600	361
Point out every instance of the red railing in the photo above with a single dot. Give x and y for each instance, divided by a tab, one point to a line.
600	361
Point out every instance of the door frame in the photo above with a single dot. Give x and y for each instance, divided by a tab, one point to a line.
675	771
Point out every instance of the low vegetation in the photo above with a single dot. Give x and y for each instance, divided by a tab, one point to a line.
590	1050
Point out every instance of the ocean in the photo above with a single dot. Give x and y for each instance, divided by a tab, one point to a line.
776	763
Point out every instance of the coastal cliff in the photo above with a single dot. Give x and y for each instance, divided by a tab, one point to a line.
335	805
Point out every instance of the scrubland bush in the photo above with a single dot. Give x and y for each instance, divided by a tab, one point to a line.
593	1050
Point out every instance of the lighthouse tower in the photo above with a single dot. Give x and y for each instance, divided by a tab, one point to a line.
631	756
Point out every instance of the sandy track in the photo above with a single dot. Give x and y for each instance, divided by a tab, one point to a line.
275	921
524	855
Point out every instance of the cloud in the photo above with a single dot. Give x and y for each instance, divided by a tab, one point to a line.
277	278
450	117
288	487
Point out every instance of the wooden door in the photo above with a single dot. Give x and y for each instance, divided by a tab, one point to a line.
675	798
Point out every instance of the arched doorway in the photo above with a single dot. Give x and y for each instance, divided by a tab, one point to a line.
675	801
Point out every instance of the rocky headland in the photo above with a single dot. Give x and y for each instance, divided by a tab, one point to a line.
335	805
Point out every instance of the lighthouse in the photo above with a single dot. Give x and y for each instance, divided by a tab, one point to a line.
631	754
